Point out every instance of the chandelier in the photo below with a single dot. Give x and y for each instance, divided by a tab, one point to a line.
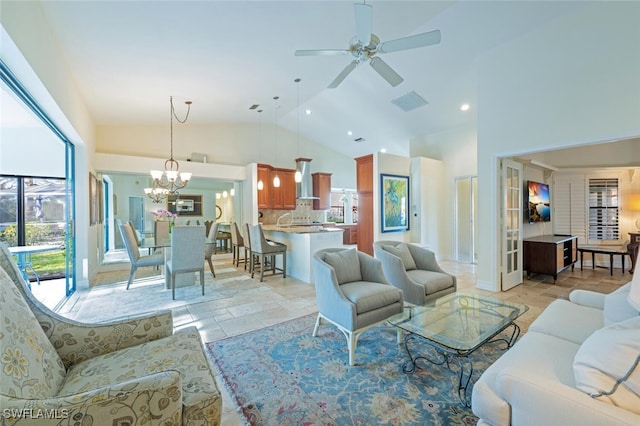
169	181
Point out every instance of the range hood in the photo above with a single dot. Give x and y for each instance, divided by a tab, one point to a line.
304	188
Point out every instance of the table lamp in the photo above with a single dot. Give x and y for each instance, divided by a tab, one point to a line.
634	205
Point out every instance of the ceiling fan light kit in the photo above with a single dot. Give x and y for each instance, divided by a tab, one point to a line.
366	45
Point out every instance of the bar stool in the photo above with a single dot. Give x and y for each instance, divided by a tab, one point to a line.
263	249
237	243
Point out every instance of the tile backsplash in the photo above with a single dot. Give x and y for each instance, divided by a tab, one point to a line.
304	213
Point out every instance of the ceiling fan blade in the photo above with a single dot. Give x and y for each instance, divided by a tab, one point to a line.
410	42
323	52
345	72
382	68
364	14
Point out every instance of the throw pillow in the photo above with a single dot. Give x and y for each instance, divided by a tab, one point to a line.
606	365
402	251
346	264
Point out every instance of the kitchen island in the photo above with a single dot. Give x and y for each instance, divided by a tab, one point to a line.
302	242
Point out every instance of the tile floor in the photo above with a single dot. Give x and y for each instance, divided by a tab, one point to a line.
254	305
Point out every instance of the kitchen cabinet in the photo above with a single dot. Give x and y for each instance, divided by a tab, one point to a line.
284	196
364	183
264	194
350	235
322	190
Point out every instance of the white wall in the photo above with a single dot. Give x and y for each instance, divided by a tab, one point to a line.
225	144
427	203
572	82
457	149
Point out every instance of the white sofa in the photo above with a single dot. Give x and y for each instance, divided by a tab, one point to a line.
573	349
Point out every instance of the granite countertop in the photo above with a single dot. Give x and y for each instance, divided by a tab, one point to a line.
299	229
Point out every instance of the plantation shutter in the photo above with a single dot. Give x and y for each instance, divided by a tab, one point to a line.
603	209
569	205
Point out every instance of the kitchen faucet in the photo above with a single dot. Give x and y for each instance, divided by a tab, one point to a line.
281	217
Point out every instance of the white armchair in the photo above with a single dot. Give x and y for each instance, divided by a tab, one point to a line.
352	293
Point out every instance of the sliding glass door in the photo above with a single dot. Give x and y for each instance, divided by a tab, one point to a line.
37	180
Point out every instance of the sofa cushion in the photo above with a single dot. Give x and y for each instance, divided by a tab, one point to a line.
607	365
181	352
432	281
617	307
568	321
31	368
369	296
402	251
346	264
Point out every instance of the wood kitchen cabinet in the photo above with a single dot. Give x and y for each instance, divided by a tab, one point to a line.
322	190
350	234
283	197
549	254
264	194
364	183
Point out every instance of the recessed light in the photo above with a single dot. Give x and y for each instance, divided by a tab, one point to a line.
349	133
464	107
307	111
383	150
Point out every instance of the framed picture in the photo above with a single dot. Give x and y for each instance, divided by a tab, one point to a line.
185	205
394	196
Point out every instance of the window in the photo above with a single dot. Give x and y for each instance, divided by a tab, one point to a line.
603	209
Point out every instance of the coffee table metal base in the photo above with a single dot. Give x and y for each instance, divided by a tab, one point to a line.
448	355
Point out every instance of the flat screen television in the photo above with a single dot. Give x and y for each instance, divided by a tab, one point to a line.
537	203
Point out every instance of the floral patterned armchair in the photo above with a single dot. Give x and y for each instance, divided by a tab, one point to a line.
135	371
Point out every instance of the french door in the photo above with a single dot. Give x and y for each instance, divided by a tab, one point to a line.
511	224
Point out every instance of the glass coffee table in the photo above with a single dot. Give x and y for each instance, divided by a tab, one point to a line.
457	325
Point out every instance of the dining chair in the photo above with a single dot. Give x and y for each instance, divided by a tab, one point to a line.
137	261
263	249
210	245
187	252
237	243
135	233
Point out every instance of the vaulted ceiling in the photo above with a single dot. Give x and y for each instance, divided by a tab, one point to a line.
128	57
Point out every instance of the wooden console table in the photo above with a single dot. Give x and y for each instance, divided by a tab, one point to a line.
549	254
621	251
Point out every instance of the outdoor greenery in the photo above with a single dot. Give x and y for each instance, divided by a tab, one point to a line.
47	264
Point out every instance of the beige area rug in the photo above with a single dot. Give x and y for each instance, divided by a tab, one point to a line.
146	294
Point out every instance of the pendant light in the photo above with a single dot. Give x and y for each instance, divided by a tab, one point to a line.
276	178
260	183
298	175
168	181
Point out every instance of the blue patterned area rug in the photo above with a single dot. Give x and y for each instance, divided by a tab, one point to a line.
281	375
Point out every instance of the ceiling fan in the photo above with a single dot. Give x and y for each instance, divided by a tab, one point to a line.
364	46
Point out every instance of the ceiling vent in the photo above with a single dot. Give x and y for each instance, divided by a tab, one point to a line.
409	102
198	157
359	140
